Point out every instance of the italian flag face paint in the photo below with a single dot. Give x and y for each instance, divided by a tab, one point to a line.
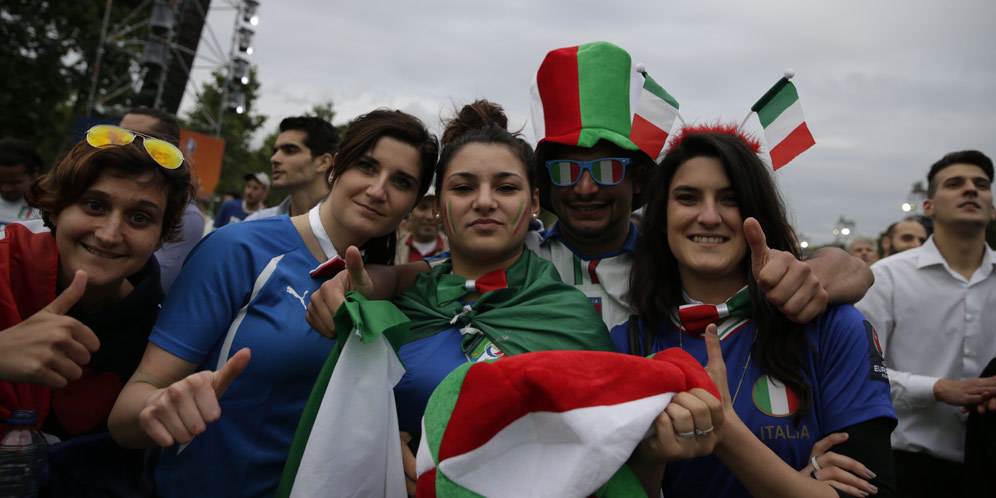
448	214
774	398
784	125
519	218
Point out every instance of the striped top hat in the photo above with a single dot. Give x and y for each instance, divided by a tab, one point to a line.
594	92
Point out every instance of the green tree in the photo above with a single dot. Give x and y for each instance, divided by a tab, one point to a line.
237	130
46	58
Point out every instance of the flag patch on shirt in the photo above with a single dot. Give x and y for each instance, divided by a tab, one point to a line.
774	398
597	303
875	355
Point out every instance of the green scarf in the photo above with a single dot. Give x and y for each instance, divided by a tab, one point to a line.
536	312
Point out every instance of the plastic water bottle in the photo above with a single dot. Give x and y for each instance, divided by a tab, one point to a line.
22	456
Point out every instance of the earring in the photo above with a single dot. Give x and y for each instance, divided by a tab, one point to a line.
535	216
438	217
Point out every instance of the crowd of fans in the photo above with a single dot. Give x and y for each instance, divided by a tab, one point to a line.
171	354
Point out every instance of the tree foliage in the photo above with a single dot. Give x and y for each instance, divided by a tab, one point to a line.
237	130
46	58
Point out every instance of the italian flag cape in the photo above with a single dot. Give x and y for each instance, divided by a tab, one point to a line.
553	423
347	441
592	92
784	125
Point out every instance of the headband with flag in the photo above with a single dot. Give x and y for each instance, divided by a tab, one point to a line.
784	125
552	423
593	92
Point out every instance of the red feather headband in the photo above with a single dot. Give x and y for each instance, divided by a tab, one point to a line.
729	129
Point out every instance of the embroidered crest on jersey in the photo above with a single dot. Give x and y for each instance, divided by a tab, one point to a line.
774	398
484	350
876	360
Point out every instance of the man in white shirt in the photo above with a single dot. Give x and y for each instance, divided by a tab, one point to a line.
19	165
302	156
933	309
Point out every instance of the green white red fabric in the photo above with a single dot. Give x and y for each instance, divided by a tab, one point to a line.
784	125
552	423
696	317
774	398
339	448
593	92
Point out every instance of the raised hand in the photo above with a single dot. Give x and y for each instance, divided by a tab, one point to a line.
841	472
49	348
788	283
182	410
327	299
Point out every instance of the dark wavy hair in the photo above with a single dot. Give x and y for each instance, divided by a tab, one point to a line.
362	135
655	284
78	169
483	122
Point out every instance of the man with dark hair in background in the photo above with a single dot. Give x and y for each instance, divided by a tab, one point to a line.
19	164
170	256
235	210
902	235
302	156
933	309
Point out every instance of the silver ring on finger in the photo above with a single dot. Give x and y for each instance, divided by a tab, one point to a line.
686	435
704	432
816	465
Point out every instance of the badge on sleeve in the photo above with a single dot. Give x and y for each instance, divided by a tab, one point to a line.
875	355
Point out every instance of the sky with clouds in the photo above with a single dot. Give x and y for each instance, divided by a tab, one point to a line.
887	86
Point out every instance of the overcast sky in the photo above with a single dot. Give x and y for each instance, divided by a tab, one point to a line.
887	86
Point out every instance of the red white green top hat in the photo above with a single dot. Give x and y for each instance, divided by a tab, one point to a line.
594	92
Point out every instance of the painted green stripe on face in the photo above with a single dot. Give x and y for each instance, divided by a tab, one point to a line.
518	218
449	217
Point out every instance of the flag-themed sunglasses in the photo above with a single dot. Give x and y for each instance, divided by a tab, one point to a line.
161	151
605	171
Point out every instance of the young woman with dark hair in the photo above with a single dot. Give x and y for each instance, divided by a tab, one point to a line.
246	286
80	292
712	205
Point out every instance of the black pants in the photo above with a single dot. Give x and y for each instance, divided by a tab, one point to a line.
921	475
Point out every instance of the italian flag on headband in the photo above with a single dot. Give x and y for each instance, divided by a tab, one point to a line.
784	126
340	449
552	423
593	92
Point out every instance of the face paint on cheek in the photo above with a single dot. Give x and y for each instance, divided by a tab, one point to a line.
519	218
448	214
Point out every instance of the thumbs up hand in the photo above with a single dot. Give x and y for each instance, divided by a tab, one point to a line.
49	348
182	410
788	283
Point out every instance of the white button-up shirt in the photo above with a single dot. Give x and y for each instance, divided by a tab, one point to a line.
932	324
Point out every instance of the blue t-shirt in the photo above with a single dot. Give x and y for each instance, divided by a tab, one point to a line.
843	367
246	285
230	211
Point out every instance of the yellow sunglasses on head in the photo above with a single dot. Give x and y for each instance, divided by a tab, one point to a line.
161	151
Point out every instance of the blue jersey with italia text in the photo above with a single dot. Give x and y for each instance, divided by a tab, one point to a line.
841	363
244	285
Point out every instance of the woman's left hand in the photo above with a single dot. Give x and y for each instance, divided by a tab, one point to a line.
788	283
840	471
408	459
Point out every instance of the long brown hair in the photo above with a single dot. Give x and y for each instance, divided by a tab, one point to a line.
655	284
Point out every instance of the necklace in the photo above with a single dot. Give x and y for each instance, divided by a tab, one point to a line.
746	363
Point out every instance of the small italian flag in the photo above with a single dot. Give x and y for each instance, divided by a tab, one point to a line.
594	92
775	398
784	125
655	115
551	423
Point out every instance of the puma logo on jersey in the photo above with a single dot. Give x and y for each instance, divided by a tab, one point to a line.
299	298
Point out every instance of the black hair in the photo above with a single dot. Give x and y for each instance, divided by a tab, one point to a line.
972	157
14	152
319	135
